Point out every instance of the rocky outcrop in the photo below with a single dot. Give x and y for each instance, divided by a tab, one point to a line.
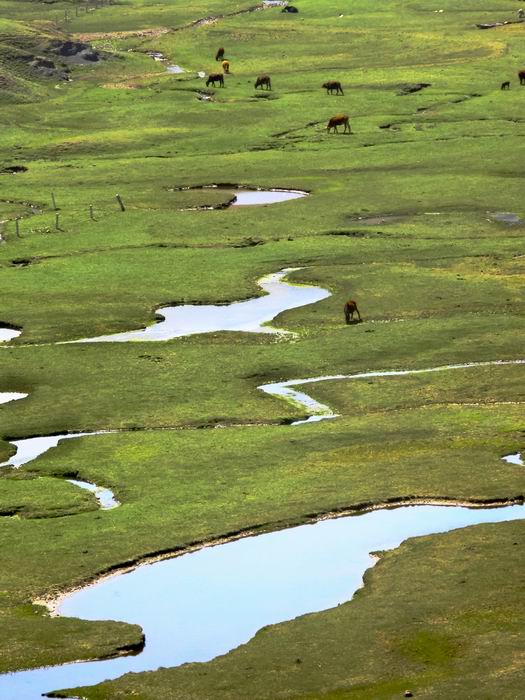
74	52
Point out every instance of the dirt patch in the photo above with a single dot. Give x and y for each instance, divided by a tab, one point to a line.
13	170
409	88
140	33
500	24
378	219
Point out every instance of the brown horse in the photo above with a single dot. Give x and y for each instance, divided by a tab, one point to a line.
215	78
332	85
350	309
263	81
220	54
225	66
338	120
521	76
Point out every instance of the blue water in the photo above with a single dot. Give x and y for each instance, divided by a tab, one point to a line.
197	606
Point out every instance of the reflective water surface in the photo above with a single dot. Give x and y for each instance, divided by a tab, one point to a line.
197	606
29	449
249	197
7	334
248	316
6	396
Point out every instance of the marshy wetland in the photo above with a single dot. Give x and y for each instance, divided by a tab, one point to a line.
259	422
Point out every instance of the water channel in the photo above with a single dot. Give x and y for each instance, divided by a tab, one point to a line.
205	603
249	316
29	449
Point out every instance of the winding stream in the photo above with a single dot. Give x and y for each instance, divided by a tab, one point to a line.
318	411
30	449
207	602
248	316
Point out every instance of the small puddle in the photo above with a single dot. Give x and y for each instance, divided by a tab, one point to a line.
7	334
245	198
30	449
247	316
174	69
506	217
514	459
197	606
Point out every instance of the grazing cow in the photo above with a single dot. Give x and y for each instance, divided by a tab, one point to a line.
225	66
505	85
263	81
332	85
521	76
215	78
290	8
350	309
338	120
220	54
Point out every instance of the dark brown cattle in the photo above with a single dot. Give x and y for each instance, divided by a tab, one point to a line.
332	85
263	81
220	54
339	120
350	309
505	85
215	78
521	76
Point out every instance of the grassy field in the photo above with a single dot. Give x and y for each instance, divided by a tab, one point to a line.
403	215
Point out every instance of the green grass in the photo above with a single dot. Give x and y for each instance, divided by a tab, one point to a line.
441	282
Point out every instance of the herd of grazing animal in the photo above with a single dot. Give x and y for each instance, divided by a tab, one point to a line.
331	87
265	82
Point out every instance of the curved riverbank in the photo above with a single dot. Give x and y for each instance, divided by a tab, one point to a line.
250	316
29	449
249	583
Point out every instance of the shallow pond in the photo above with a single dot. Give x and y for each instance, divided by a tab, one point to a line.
199	605
248	316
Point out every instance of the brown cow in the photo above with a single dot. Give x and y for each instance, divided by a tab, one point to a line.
521	76
226	66
220	54
215	78
350	309
505	85
338	120
332	85
263	81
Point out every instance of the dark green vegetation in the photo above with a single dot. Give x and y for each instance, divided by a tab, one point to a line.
400	218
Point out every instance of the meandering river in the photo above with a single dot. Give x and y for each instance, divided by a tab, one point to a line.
202	604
